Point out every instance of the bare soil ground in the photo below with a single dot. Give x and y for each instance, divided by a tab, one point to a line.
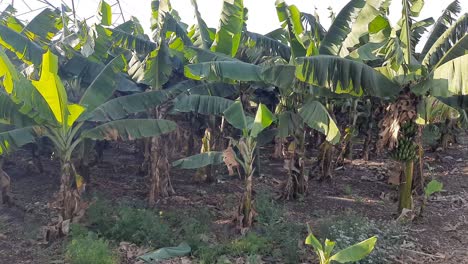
360	187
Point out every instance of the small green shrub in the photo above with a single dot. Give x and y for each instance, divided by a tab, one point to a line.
141	226
251	244
101	216
125	223
269	212
90	249
195	228
209	254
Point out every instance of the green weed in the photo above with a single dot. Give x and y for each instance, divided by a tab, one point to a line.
251	244
283	236
269	212
89	249
141	226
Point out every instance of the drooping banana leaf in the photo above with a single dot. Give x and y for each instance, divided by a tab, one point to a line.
229	33
312	25
130	129
176	32
359	27
203	104
15	138
87	71
200	160
279	75
124	106
441	25
316	116
10	114
289	123
8	19
431	111
43	27
223	71
446	41
340	28
138	43
418	29
449	80
198	55
458	49
25	49
268	46
214	89
103	87
235	115
344	76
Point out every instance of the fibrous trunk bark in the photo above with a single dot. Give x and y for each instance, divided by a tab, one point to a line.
68	202
325	160
159	167
406	200
297	183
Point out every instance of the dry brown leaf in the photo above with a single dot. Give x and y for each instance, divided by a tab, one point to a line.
229	158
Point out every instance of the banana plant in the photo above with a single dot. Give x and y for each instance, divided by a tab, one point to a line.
437	72
352	253
40	108
240	154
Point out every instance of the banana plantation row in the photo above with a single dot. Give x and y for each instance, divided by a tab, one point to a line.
74	85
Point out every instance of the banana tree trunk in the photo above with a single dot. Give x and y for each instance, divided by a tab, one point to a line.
367	144
159	167
297	183
406	200
68	195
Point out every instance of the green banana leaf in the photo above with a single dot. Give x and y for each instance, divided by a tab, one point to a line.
441	25
355	252
344	76
43	27
223	71
166	253
228	36
15	138
448	40
203	104
25	49
333	41
130	129
200	160
316	116
202	37
105	84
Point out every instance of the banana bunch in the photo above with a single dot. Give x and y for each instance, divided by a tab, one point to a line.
406	151
408	129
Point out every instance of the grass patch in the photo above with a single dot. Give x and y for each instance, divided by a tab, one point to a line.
350	229
271	236
86	247
283	236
